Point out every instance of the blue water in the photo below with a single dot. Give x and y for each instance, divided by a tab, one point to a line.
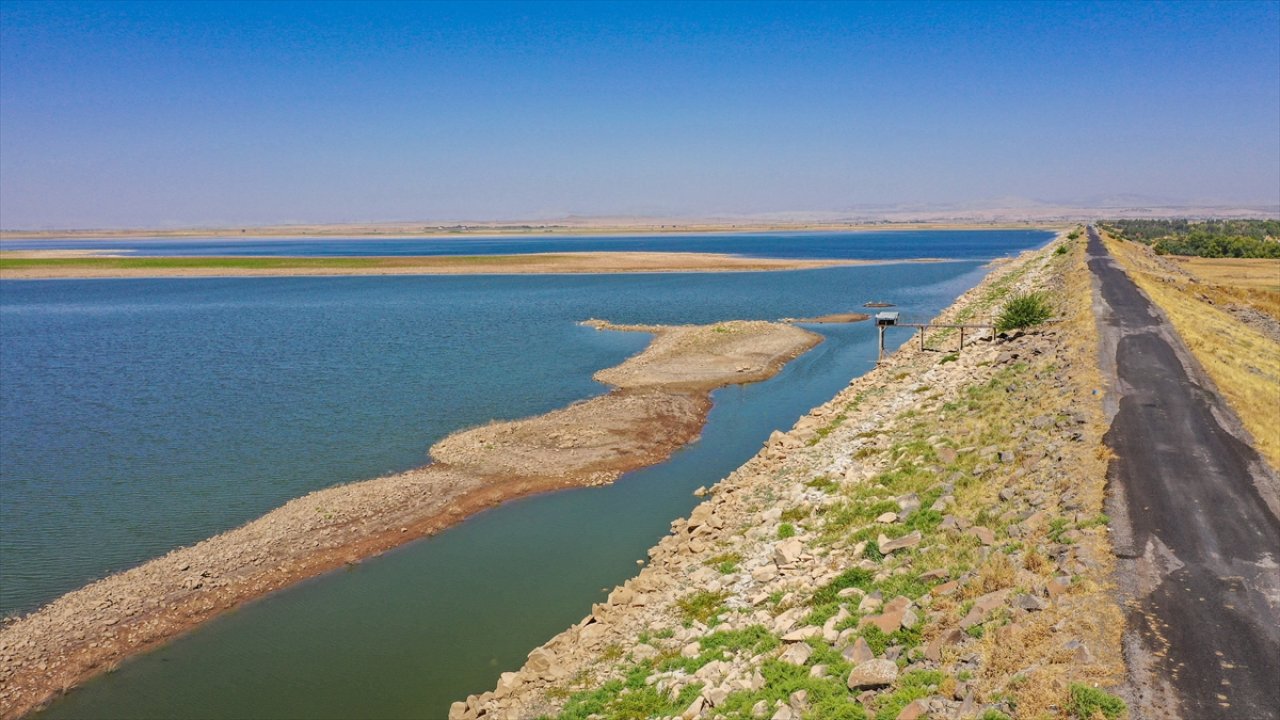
138	415
871	245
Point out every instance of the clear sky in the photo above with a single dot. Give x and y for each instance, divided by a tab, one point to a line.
155	114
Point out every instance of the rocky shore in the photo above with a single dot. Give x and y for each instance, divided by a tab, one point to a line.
929	543
658	403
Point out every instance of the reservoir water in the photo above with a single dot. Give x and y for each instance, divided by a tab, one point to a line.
868	245
143	414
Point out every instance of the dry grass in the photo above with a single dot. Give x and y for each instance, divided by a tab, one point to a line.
1234	281
1259	273
1243	363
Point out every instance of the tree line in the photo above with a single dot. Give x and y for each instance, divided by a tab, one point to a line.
1204	238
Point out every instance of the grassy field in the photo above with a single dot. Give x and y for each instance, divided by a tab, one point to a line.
1243	363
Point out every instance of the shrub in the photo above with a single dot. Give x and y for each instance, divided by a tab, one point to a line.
1024	311
1062	250
1087	703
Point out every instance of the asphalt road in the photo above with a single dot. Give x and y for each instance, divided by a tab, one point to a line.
1197	541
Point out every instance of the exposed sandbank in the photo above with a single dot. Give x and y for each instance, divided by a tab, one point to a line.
49	264
659	402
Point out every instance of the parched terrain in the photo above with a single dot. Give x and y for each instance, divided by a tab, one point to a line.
640	422
929	543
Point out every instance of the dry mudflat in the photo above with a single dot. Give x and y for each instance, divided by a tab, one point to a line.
658	403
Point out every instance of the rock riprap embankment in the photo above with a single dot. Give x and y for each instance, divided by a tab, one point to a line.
929	543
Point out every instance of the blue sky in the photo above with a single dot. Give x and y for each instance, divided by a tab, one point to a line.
154	114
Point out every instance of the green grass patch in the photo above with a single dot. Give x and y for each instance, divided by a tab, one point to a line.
1087	701
823	483
878	640
829	699
702	606
726	562
786	530
795	514
719	645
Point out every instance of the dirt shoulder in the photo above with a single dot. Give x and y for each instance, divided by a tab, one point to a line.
38	265
929	543
640	422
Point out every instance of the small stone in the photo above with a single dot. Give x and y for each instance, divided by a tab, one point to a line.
983	606
695	708
1057	586
801	634
1030	603
886	518
760	709
797	654
788	551
701	491
859	652
542	663
946	455
887	546
799	702
951	636
784	713
1080	654
985	536
873	674
913	710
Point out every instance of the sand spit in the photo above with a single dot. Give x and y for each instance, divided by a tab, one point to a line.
834	318
658	404
52	264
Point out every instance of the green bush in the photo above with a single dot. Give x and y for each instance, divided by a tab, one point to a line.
1062	250
1024	311
1087	702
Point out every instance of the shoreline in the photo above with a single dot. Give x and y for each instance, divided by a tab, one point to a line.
658	402
92	264
405	231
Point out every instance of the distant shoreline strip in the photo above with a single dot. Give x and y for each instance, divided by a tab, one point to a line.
52	264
